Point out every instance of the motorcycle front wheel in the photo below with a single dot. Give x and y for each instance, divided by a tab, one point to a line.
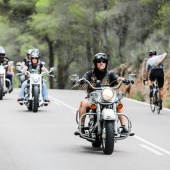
108	137
1	89
35	103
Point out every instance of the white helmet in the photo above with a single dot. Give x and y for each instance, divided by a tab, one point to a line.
2	51
29	52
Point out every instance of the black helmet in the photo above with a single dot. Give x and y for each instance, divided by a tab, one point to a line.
152	52
35	53
100	56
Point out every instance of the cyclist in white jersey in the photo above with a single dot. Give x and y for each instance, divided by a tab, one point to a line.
154	70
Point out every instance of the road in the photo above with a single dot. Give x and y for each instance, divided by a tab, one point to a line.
46	141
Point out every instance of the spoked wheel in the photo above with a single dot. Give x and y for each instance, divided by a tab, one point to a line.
152	105
157	104
77	116
108	137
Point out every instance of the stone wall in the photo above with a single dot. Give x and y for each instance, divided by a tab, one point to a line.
129	91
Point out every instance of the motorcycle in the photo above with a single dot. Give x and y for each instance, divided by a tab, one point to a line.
33	98
102	125
5	84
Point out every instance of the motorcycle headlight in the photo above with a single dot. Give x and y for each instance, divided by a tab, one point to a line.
107	94
1	72
36	78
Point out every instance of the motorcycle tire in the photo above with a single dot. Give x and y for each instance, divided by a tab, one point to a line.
1	89
108	137
35	103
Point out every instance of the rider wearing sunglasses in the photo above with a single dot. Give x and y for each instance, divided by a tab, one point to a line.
100	73
34	66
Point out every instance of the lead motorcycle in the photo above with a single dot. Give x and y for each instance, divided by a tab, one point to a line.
33	97
5	84
103	125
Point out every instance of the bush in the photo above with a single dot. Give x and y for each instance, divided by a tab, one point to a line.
138	96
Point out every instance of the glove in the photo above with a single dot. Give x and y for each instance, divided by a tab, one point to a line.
82	82
126	82
145	79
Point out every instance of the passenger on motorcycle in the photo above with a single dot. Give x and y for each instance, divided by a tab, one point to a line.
35	64
100	72
154	70
25	61
9	70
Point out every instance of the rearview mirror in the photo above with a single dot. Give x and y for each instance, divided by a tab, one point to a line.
74	77
132	76
52	68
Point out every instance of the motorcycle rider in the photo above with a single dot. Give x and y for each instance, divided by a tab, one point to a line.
100	72
154	70
25	61
9	70
35	64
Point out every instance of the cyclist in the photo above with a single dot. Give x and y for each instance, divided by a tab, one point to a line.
154	70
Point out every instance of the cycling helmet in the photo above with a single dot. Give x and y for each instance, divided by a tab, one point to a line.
29	52
100	56
152	52
35	53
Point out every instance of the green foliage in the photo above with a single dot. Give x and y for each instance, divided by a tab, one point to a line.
167	102
146	1
163	17
73	31
138	96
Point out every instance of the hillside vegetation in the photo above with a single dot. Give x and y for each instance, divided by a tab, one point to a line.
70	33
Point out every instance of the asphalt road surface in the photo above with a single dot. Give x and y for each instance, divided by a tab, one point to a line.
45	140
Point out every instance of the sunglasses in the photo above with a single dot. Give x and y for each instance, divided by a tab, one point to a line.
34	58
101	61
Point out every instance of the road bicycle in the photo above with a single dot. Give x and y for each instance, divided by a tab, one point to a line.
155	99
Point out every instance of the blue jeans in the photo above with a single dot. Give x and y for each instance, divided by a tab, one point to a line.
44	90
9	76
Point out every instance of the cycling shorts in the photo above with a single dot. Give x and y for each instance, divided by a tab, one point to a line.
159	75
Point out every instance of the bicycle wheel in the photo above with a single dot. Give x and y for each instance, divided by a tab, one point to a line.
152	104
157	104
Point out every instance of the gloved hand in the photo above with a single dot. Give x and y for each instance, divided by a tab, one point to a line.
82	81
145	79
126	82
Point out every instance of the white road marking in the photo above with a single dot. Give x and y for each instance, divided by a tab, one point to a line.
59	101
144	103
73	112
137	137
151	144
151	149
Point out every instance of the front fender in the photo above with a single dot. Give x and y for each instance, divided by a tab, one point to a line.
108	114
